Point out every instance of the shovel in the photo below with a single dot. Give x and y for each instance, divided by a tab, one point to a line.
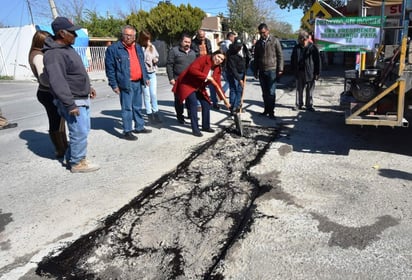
238	115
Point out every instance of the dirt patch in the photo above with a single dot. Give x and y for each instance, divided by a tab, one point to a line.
182	225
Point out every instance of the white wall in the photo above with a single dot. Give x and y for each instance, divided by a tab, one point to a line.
15	45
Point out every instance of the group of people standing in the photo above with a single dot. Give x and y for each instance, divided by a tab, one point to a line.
196	75
65	90
194	72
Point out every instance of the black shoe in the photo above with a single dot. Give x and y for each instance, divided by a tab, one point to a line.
197	134
216	107
130	136
310	109
181	120
272	116
297	108
263	114
211	130
156	118
144	130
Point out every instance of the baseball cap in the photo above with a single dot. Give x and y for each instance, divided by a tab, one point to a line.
238	42
62	23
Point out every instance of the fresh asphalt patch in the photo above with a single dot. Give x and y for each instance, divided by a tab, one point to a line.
182	225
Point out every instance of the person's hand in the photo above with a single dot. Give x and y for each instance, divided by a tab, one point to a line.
116	90
210	79
92	93
172	82
147	82
316	77
280	73
75	112
242	83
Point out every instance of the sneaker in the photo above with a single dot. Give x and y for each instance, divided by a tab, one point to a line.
197	134
130	136
144	130
84	166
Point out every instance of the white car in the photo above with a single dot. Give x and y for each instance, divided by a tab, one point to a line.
287	47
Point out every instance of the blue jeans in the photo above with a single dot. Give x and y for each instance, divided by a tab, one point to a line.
150	95
131	103
267	81
79	128
235	94
191	103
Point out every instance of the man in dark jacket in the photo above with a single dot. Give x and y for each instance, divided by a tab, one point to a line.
305	63
200	44
126	73
178	59
238	58
70	86
268	62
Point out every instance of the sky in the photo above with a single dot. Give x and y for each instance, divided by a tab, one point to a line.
17	12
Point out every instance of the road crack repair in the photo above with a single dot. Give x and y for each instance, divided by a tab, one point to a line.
181	226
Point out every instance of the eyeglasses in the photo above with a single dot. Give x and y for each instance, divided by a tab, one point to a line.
129	35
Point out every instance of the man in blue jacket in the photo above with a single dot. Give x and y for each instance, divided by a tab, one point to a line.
70	86
127	74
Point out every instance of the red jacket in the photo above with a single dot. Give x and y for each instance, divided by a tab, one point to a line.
193	78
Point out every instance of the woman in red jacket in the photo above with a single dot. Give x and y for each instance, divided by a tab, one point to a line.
191	88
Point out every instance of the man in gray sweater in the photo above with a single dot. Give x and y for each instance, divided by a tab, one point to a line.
179	58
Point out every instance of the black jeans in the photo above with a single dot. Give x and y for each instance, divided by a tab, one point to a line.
267	81
46	99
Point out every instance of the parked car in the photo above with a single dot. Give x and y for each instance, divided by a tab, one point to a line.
287	47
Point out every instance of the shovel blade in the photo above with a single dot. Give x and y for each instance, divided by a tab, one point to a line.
238	123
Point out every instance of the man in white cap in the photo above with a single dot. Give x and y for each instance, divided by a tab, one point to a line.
70	85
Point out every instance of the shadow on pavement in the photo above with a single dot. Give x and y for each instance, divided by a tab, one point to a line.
39	143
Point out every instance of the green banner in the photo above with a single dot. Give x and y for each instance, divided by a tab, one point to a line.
350	34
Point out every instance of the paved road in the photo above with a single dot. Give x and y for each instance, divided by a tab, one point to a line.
339	207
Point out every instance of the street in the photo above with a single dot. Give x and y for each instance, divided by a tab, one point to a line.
336	201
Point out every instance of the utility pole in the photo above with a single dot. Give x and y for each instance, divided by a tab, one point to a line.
53	9
30	12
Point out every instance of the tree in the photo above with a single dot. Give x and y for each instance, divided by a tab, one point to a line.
244	16
99	26
138	20
306	4
280	29
168	22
